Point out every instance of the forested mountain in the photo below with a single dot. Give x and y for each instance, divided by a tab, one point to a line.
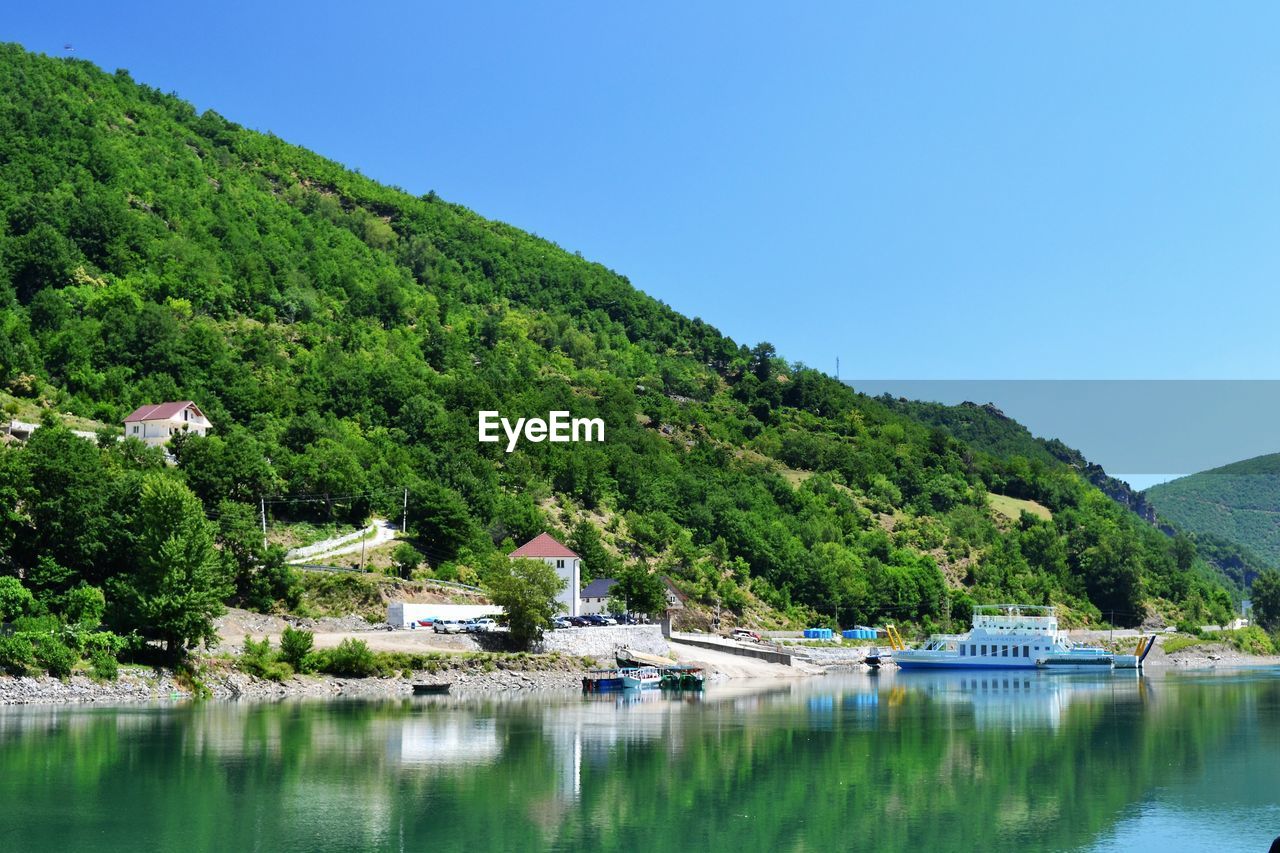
987	428
1239	502
342	336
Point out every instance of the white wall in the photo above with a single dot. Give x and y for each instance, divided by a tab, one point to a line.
402	612
571	574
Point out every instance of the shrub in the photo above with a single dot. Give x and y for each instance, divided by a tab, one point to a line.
1253	640
103	665
352	657
15	654
1186	626
102	648
257	660
54	656
295	648
15	599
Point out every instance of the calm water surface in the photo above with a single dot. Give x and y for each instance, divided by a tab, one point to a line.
907	761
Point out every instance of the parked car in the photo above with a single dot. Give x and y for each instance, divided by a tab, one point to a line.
580	621
744	635
560	622
448	626
485	625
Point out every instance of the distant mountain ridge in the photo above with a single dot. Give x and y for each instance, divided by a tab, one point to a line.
987	427
1239	502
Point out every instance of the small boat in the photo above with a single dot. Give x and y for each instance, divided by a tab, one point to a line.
631	659
876	658
432	689
682	678
1076	663
602	681
641	677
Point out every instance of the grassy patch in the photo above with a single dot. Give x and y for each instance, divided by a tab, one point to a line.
341	593
1178	642
1014	507
1252	640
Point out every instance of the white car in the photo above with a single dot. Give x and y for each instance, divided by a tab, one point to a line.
449	626
485	625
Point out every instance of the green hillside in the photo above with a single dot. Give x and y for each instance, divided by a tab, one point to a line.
1239	502
342	336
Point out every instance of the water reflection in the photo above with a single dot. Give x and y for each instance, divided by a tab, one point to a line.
895	762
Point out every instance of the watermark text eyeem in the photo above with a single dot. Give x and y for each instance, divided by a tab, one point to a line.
558	427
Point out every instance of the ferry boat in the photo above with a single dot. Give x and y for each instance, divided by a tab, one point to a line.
1004	636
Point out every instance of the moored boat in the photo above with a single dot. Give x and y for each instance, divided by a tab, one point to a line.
435	689
877	658
630	659
682	678
641	677
602	681
1004	636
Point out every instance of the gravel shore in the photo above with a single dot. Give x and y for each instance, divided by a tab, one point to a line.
137	685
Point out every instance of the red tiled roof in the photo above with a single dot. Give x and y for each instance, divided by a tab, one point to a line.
161	411
542	545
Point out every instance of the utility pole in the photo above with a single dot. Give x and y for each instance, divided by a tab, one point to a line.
404	513
262	506
362	541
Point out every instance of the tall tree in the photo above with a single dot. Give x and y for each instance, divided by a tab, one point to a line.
640	590
1266	599
526	590
177	587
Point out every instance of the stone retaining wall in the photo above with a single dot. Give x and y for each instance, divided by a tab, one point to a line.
600	643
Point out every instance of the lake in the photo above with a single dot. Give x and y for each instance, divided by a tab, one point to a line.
900	761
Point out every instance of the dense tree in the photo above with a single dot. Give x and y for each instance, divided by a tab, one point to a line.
526	590
1265	596
179	583
639	591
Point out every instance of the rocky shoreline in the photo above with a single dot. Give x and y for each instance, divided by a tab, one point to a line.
136	685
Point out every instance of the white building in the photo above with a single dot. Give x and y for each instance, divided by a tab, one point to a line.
156	423
567	564
595	596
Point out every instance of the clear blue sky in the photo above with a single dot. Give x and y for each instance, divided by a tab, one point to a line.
928	190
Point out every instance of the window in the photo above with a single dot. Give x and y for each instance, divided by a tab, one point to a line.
135	429
984	650
1026	651
559	564
962	651
1004	651
973	650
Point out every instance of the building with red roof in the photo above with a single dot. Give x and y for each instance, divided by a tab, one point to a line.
156	423
557	555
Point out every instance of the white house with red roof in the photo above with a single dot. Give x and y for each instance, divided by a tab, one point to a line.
567	564
156	423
